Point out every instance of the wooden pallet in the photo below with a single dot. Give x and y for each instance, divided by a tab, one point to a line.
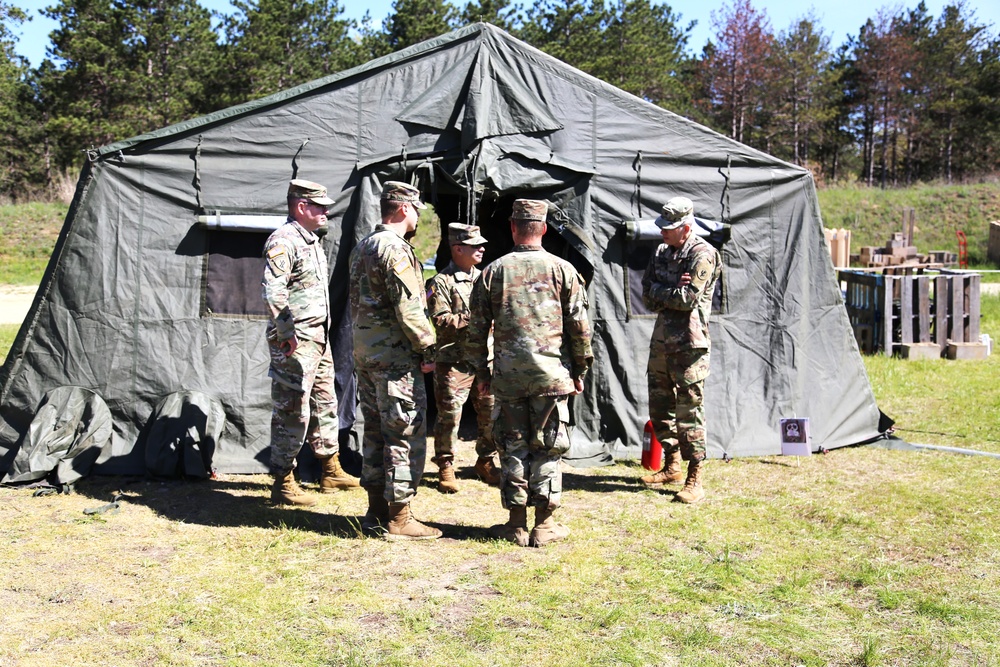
889	311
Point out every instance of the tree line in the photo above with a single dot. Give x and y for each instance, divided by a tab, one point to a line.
911	97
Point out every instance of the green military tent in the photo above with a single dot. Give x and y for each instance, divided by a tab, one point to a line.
151	305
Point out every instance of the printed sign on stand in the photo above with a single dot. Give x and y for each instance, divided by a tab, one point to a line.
795	439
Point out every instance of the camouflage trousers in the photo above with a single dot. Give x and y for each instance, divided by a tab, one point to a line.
394	447
452	386
305	403
676	400
531	435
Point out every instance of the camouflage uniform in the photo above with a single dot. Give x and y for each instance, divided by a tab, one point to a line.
537	304
449	294
680	346
296	291
392	335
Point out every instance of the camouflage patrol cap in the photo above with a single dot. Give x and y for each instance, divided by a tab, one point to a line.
676	212
399	191
314	192
465	234
529	209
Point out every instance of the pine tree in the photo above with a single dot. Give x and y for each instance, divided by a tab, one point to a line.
413	21
20	164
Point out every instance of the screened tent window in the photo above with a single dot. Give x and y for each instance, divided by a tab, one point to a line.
234	267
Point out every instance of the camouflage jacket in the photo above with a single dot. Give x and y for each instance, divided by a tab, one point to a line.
449	294
388	304
537	305
682	312
296	286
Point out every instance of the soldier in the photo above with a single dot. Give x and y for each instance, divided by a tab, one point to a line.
678	285
297	293
537	305
449	294
394	346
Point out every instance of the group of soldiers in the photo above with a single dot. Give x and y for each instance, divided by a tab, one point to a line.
515	336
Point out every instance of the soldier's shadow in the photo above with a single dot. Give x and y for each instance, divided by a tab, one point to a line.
603	483
236	503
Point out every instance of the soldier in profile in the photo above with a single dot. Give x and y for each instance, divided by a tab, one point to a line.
394	345
678	285
296	290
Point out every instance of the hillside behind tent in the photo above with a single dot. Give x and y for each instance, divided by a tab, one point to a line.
141	300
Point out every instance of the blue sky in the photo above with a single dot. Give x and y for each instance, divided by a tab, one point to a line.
838	20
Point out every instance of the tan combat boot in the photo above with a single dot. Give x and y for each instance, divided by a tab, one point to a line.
333	477
377	515
446	477
516	528
487	470
692	491
546	530
402	525
671	473
286	492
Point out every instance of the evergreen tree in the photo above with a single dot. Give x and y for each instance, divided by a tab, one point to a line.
799	89
569	30
413	21
272	45
498	12
20	164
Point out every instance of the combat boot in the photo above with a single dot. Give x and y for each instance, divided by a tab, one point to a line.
546	530
287	492
333	477
671	473
402	525
377	515
516	528
446	477
692	491
487	470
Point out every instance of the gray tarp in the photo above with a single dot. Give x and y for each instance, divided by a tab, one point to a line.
140	301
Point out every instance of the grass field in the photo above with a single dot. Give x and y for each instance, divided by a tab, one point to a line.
862	556
28	233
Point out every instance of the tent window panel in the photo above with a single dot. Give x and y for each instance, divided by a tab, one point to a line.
233	271
636	260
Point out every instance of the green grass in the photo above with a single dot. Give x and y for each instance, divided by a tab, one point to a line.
862	556
7	334
873	215
28	233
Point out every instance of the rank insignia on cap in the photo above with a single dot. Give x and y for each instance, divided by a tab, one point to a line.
277	259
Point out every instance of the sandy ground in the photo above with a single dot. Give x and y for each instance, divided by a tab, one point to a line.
15	301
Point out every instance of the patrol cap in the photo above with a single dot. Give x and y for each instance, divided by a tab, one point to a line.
529	209
676	212
399	191
314	192
465	234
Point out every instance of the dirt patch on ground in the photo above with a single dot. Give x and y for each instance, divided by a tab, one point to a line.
15	300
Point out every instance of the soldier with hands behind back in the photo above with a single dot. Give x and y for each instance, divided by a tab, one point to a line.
537	306
296	291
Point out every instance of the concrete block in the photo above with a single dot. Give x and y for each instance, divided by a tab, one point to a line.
920	351
967	351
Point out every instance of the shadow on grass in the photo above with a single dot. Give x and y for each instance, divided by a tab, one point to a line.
222	503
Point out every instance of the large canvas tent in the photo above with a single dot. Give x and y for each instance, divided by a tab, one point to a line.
152	296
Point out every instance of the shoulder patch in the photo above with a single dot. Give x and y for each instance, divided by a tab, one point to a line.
401	266
278	260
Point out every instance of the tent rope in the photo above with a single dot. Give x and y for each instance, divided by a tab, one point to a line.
637	192
295	160
727	211
197	174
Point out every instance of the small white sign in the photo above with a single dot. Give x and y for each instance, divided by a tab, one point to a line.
795	439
